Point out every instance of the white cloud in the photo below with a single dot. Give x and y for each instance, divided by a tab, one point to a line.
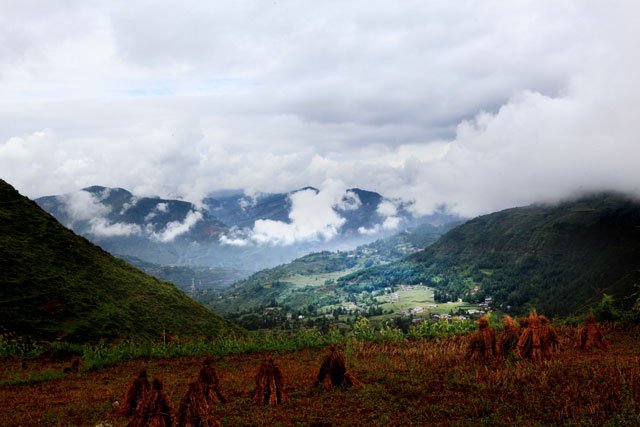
349	202
313	217
160	207
387	208
480	105
83	206
177	228
101	227
250	199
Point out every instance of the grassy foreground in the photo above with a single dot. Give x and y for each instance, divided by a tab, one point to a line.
406	382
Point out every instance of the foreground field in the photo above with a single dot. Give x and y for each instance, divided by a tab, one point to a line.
405	383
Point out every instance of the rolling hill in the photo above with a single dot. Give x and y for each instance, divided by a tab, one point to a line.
311	279
57	285
559	258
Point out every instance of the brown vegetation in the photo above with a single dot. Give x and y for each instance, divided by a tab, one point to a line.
73	367
136	393
202	394
482	343
533	343
590	335
208	377
194	410
154	410
509	336
549	336
269	384
410	382
334	367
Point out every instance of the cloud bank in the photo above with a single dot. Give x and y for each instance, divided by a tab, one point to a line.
479	105
89	208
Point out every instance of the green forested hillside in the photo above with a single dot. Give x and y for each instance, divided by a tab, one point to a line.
559	258
310	281
57	285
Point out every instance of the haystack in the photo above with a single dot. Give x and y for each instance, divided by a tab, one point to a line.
269	384
210	381
509	336
532	344
137	390
333	366
549	336
194	410
154	410
590	335
482	344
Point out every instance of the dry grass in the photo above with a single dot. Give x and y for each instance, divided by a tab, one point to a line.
269	384
532	344
405	383
509	337
135	395
482	346
154	409
590	335
334	368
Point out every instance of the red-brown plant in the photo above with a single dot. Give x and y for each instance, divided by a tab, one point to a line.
269	384
137	391
202	394
533	345
334	367
590	335
208	377
482	343
194	410
154	410
509	336
549	336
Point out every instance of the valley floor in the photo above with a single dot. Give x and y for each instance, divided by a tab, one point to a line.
405	383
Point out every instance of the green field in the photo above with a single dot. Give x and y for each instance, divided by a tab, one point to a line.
315	279
411	297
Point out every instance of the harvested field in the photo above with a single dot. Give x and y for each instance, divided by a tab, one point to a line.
405	383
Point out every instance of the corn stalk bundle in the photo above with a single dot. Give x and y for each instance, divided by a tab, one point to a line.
154	410
194	410
269	384
590	335
482	344
531	342
549	336
509	337
137	391
208	377
334	367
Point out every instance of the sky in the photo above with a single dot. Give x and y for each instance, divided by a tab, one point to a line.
476	105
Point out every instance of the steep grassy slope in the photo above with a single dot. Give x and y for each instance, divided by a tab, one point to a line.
558	258
55	284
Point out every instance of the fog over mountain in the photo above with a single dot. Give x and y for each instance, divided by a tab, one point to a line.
239	230
476	105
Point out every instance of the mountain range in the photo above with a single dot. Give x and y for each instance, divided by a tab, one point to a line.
218	232
561	259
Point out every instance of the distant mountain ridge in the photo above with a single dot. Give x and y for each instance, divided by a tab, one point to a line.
55	284
179	233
